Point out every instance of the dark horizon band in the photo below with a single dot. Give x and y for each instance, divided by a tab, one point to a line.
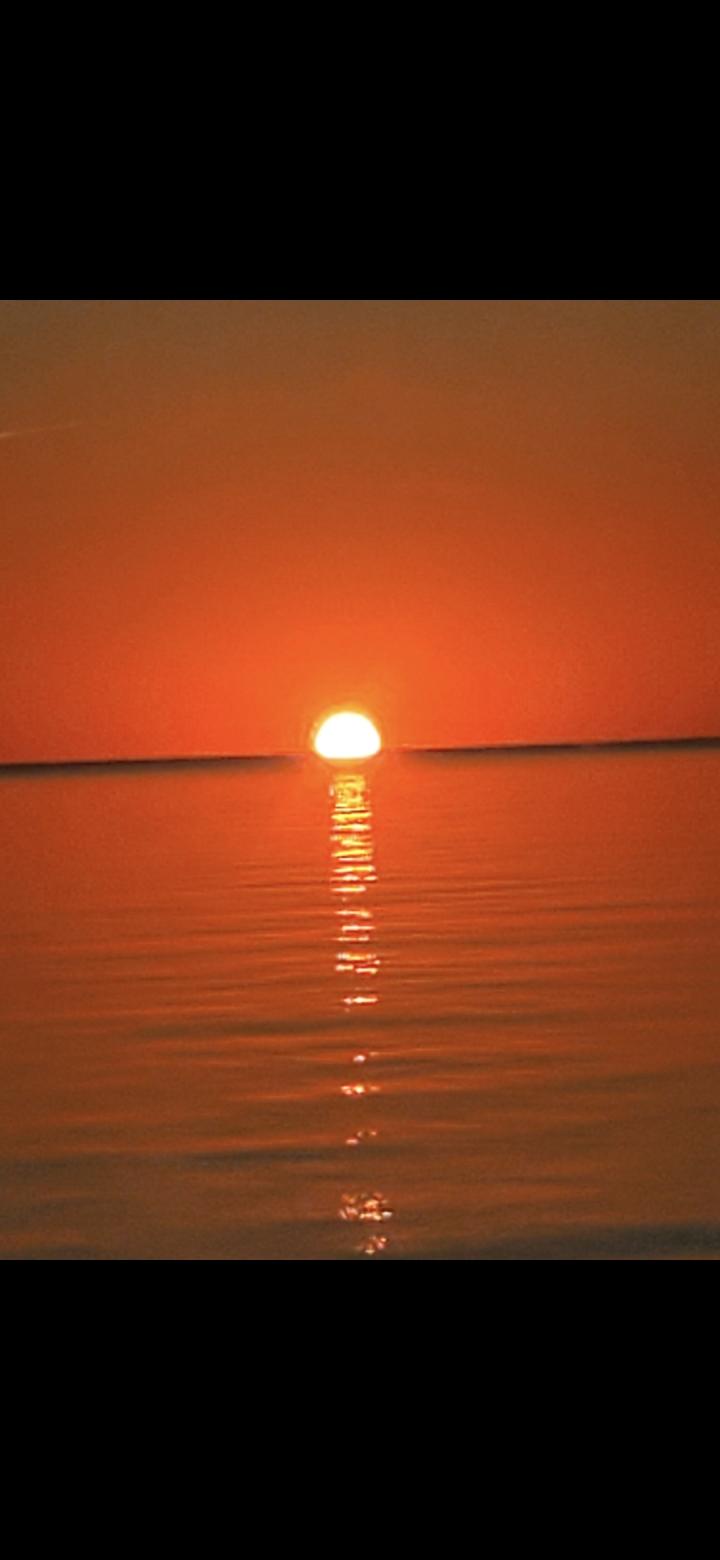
478	750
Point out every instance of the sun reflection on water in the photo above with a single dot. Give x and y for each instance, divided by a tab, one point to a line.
358	963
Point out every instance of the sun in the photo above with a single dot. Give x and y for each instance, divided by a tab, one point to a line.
346	735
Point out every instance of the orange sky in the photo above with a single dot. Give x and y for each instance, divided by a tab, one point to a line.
485	521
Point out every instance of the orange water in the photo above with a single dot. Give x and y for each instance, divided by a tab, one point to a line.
532	1070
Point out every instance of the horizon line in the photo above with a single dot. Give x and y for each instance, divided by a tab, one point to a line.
463	750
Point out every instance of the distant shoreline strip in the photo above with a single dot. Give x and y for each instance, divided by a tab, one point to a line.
504	750
202	759
610	745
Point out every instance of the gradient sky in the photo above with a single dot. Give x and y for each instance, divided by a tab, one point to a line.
482	521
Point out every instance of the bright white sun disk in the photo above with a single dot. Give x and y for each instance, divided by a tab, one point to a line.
347	735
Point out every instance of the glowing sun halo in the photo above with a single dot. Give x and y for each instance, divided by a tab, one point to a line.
346	735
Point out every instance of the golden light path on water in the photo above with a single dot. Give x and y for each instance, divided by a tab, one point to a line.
357	962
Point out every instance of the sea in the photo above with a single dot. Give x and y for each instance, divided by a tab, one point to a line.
435	1007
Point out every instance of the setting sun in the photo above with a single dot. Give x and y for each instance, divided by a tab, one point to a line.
347	735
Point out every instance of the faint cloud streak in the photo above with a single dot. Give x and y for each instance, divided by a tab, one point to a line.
24	433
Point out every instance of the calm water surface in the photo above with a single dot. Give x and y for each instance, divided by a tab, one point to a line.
439	1008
